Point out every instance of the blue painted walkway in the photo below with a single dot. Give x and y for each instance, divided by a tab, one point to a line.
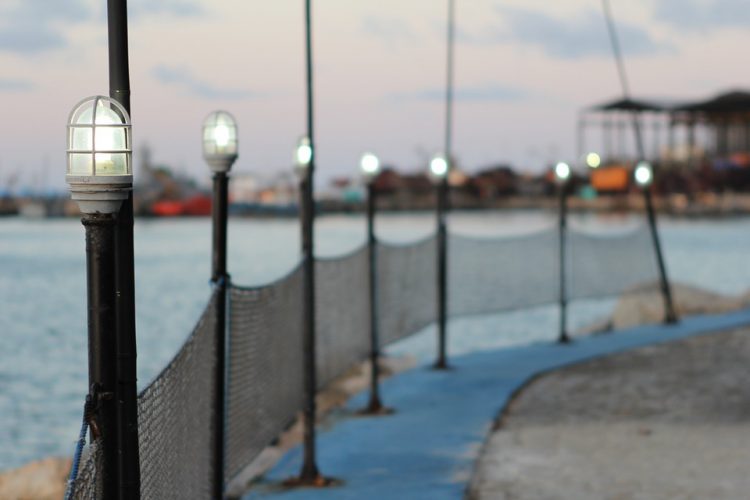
427	449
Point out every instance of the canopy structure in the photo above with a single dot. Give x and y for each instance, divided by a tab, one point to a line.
630	105
696	131
729	103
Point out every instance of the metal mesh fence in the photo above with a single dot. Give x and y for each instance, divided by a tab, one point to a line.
602	265
342	313
85	487
406	291
265	347
175	419
499	274
265	366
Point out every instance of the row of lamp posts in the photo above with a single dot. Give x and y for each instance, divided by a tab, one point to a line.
100	176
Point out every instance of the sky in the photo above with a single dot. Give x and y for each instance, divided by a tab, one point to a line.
524	69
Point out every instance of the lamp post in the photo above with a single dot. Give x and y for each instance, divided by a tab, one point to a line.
100	176
127	395
644	178
304	167
370	165
219	152
562	176
439	168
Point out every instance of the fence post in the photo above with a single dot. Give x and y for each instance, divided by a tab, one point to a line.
100	267
375	405
670	316
219	279
563	337
442	275
126	356
219	152
439	168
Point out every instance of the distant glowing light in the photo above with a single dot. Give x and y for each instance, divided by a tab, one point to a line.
439	166
593	160
644	174
370	164
562	171
304	153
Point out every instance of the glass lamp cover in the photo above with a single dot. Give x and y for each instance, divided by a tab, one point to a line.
220	135
644	174
370	165
99	142
439	167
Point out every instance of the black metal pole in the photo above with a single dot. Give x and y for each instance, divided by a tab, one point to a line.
670	316
449	76
219	277
669	312
563	338
100	271
442	194
442	274
375	405
126	358
309	472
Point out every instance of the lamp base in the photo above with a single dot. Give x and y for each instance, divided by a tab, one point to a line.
100	195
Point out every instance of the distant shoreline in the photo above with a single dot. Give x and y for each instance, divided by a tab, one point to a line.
705	205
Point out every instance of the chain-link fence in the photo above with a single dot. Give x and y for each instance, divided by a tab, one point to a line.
265	385
265	344
604	265
175	419
406	289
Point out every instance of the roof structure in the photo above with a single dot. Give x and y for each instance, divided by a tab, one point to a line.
630	105
735	101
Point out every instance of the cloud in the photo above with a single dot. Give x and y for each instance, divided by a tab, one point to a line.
37	26
481	93
391	30
13	85
703	15
583	36
34	26
181	77
138	9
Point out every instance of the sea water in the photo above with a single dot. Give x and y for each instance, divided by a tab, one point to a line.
43	352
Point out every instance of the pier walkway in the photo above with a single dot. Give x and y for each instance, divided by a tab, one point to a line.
427	449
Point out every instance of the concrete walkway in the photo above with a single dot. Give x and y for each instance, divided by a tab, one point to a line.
428	448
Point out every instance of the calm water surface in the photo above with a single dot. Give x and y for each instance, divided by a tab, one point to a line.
43	355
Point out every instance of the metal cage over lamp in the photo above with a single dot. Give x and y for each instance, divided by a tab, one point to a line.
220	141
100	171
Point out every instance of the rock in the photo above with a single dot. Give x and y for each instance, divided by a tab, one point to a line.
648	307
41	480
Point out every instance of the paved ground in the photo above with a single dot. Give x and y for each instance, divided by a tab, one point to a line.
427	450
662	422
